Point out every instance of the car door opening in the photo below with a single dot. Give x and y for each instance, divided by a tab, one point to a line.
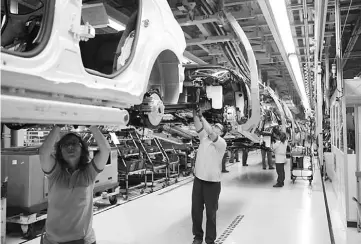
115	25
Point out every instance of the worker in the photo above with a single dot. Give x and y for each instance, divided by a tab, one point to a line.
280	148
268	140
71	180
245	156
224	162
267	153
207	180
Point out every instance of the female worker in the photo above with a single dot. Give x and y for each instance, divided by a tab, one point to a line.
71	180
280	148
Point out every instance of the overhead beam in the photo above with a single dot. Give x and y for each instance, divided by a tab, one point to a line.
258	35
353	55
204	19
237	2
344	7
209	40
255	24
203	29
198	20
246	14
192	57
187	36
356	32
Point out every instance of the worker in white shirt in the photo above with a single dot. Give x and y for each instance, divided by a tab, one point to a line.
280	148
207	181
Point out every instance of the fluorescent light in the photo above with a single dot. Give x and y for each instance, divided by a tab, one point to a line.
116	25
279	10
299	79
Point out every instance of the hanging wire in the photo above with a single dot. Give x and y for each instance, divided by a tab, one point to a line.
344	25
348	11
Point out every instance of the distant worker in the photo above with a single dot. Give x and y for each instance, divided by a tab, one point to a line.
71	181
224	161
268	139
267	153
280	148
207	180
245	156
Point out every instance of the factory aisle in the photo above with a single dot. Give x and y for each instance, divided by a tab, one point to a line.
251	211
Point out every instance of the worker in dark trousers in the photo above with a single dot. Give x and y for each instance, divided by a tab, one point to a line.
207	180
267	153
224	162
275	135
245	156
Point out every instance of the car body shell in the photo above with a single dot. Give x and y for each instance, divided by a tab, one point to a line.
57	72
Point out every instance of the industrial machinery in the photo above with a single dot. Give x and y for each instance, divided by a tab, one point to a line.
27	184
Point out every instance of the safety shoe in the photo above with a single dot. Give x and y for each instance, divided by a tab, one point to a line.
225	171
278	185
271	167
197	241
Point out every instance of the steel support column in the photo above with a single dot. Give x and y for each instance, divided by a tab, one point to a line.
327	84
319	114
338	47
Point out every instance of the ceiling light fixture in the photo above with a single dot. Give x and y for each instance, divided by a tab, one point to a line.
279	11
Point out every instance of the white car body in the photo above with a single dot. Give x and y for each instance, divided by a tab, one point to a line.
54	86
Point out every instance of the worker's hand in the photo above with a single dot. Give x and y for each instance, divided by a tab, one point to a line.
197	112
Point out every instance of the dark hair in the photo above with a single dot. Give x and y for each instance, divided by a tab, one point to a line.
283	137
84	157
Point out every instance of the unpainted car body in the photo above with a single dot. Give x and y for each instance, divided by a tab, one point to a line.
221	94
52	78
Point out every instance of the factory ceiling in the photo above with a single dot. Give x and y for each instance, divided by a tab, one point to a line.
211	40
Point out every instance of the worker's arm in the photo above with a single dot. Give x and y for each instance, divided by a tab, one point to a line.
102	156
198	124
47	160
209	130
196	119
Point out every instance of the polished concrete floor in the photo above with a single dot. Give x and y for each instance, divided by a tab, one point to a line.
250	211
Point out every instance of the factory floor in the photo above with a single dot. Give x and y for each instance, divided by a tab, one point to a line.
250	211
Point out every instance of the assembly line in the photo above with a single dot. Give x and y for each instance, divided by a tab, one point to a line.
180	121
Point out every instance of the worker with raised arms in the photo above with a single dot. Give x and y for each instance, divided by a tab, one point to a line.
71	175
207	181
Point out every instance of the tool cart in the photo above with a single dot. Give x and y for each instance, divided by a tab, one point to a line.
156	159
301	164
186	153
170	156
131	163
187	158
